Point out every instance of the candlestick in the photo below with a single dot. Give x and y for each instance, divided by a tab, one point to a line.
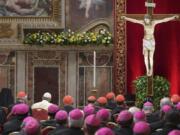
94	70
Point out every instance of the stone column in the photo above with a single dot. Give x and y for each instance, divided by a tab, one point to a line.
63	3
20	70
72	74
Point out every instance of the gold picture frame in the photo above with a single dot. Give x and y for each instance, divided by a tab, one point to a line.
54	16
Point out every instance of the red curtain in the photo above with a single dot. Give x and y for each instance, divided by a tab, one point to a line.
135	7
167	7
167	53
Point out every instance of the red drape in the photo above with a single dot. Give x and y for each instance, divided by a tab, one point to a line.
167	6
167	53
135	7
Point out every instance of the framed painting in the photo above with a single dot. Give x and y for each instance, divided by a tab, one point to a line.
27	10
86	12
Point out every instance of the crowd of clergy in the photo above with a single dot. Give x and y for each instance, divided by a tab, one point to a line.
106	115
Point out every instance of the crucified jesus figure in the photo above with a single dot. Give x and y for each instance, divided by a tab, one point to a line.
149	40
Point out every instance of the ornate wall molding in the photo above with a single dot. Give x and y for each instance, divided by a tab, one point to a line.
96	25
46	59
7	70
119	48
4	57
21	47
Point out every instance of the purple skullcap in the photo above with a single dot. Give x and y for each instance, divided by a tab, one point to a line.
139	116
76	118
61	115
92	120
76	114
166	108
88	110
141	128
103	114
14	109
174	132
30	126
124	116
104	131
27	119
178	106
148	104
20	109
53	108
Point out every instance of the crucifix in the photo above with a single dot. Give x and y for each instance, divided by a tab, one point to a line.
149	41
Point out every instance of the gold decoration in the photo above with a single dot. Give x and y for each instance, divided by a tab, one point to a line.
5	30
119	47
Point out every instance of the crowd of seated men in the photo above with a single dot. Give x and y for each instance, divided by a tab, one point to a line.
106	115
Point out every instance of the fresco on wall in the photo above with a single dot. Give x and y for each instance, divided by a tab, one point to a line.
82	12
23	8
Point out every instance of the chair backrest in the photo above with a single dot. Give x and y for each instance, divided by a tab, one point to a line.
1	128
46	130
14	133
115	116
5	110
111	125
40	114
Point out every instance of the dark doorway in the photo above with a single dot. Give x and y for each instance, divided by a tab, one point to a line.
46	80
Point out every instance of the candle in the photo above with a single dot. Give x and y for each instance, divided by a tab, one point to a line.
94	70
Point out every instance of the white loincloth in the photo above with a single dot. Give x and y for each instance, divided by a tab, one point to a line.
148	45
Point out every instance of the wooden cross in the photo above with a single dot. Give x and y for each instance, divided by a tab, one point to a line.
150	12
150	6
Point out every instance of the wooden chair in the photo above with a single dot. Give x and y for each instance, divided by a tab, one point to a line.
5	110
40	114
9	116
1	128
115	116
111	125
14	133
46	130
